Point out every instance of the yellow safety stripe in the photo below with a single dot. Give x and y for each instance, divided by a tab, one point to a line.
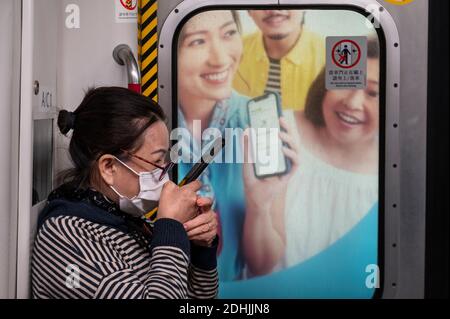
148	47
148	55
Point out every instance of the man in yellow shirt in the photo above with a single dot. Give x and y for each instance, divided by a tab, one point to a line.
283	57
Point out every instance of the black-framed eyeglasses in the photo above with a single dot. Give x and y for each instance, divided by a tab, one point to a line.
164	169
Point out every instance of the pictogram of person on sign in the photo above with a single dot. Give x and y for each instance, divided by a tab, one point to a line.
346	54
343	55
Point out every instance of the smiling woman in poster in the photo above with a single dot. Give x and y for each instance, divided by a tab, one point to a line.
209	51
335	185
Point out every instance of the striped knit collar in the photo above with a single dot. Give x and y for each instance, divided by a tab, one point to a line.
87	195
95	198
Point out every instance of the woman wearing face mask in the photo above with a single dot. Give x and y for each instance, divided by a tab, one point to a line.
92	241
209	51
335	185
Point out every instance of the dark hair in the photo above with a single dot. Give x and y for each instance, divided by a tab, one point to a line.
108	120
303	19
317	91
236	19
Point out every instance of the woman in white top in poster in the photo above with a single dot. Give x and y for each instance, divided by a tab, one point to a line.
333	183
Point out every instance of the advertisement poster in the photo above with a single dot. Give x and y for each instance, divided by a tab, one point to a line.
307	228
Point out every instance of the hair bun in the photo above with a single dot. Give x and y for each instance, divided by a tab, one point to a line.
66	121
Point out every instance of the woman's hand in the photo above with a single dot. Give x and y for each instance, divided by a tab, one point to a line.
202	230
179	203
260	193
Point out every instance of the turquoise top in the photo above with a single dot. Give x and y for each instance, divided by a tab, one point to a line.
222	180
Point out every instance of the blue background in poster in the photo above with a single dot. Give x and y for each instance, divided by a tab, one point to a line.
337	272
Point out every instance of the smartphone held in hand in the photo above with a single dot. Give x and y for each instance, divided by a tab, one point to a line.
264	113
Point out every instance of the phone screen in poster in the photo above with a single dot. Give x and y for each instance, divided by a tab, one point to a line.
263	117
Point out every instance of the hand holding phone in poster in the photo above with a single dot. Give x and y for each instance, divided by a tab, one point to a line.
268	188
263	239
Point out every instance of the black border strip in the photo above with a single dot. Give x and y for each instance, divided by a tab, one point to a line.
437	203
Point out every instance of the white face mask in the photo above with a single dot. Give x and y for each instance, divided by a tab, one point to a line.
149	192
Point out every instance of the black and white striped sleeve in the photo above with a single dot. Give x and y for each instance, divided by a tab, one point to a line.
203	280
110	264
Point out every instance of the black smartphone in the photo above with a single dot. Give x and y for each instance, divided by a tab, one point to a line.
207	157
264	113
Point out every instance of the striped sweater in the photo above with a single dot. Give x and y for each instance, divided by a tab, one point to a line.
77	258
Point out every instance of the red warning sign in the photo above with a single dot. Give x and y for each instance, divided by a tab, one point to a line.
346	66
129	4
346	54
